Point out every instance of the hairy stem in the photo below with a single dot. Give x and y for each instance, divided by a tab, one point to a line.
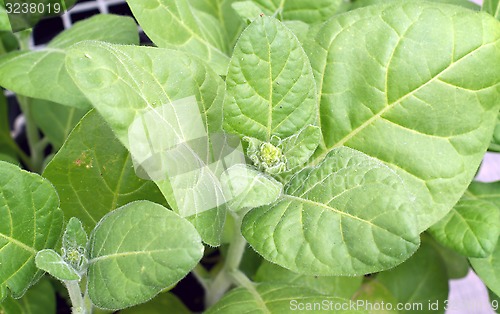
224	279
75	294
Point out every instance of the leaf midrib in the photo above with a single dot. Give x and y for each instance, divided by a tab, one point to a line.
18	243
388	107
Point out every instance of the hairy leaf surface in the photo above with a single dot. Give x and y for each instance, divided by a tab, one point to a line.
138	250
331	219
197	33
275	298
415	85
41	74
31	221
270	87
93	173
135	89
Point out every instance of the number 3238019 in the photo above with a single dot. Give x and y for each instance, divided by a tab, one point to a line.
33	8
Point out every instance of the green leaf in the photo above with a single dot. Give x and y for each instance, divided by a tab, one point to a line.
55	120
330	221
301	10
374	293
34	223
495	141
74	246
270	87
199	34
417	108
464	3
457	265
245	187
139	92
471	228
223	11
51	262
248	10
300	147
487	191
106	27
138	250
163	303
93	173
40	298
279	299
42	74
420	280
492	7
488	269
74	235
342	287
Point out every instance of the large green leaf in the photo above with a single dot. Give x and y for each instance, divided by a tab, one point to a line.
488	269
419	281
146	96
138	250
197	32
372	294
41	74
486	191
223	11
93	173
331	219
279	299
471	228
40	298
426	110
335	286
302	10
55	120
31	221
163	303
492	7
270	87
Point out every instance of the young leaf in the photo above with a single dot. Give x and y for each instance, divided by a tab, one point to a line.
34	222
275	298
41	74
198	34
270	87
299	148
138	250
132	85
40	298
74	235
342	287
492	7
488	269
245	187
93	173
331	220
417	108
48	260
419	280
471	228
55	120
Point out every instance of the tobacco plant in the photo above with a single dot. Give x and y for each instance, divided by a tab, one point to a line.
289	155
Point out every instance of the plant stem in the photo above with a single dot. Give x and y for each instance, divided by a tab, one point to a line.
75	294
224	278
36	149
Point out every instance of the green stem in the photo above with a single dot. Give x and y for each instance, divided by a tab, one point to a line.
75	294
224	279
36	149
